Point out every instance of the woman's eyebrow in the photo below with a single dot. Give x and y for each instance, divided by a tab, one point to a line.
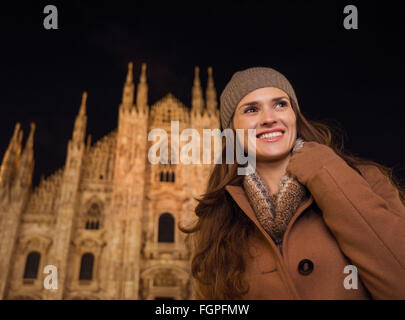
253	103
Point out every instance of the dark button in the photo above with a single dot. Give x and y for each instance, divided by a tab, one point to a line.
305	267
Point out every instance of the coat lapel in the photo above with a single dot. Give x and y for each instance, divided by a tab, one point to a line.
238	194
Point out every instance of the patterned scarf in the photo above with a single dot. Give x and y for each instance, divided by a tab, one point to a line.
274	212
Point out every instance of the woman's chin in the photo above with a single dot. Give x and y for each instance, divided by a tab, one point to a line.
272	157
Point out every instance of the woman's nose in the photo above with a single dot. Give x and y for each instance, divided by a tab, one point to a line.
268	117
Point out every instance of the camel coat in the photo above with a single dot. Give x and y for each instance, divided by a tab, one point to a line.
349	219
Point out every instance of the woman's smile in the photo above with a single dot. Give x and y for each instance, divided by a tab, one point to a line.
268	111
271	135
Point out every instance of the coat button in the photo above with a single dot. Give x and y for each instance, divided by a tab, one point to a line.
305	267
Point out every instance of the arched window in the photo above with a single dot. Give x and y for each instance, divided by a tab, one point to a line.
166	170
86	267
32	265
166	228
93	217
167	176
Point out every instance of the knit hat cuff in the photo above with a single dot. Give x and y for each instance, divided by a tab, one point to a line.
246	81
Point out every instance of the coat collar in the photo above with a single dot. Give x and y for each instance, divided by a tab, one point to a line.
239	195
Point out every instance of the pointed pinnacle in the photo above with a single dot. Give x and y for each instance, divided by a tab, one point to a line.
196	76
84	97
16	128
30	140
130	72
16	133
210	77
83	104
142	78
20	137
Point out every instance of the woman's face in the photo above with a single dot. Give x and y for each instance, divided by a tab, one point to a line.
269	111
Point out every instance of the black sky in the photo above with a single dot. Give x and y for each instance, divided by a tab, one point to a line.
353	77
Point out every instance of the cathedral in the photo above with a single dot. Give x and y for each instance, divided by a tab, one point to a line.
107	222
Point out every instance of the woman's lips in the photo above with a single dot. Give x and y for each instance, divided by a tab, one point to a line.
272	139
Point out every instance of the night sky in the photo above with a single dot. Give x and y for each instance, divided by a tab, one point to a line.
350	77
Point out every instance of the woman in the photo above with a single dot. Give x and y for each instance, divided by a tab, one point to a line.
312	222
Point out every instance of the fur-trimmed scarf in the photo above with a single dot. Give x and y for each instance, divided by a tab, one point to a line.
274	212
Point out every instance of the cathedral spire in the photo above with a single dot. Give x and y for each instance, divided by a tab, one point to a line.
197	101
130	75
82	110
18	146
26	164
29	145
79	129
11	157
211	93
142	90
128	91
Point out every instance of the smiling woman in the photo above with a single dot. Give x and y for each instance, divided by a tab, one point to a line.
268	110
290	229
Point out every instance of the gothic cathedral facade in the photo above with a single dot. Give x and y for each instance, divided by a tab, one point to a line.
108	220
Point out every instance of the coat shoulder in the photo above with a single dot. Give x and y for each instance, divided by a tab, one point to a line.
382	185
372	174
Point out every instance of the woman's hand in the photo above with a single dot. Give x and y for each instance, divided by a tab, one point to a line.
364	213
309	159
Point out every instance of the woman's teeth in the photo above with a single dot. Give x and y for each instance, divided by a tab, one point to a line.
270	135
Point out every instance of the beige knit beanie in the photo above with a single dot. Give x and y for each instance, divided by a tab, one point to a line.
245	81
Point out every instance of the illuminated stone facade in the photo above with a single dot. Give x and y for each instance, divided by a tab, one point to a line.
108	219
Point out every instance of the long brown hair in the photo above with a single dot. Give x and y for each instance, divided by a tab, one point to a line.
219	238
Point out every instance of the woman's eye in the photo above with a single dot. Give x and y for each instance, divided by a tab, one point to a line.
281	103
250	109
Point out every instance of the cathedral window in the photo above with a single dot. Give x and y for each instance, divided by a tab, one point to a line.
167	176
166	228
93	217
86	267
166	170
32	265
